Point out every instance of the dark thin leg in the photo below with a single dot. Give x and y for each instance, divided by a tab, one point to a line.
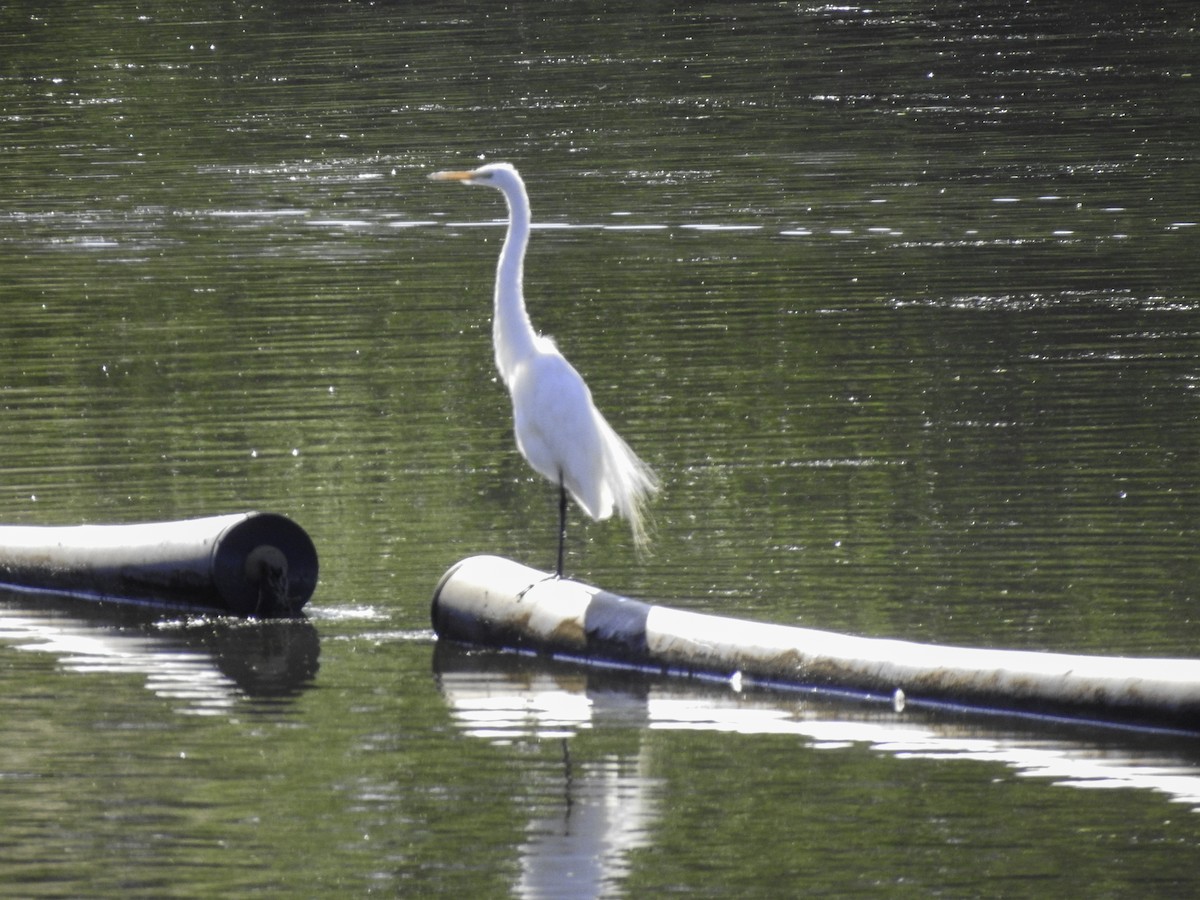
562	525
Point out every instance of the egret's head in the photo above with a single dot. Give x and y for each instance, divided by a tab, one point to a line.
498	175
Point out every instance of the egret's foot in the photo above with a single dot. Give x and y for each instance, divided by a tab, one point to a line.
554	576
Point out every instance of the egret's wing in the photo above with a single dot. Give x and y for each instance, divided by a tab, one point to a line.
560	432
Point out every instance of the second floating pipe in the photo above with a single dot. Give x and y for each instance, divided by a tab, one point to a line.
494	602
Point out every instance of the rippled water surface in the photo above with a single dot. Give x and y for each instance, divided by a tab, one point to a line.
902	304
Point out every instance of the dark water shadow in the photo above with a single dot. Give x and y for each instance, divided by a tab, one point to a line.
211	664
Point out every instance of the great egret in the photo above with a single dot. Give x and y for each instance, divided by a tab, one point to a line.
558	428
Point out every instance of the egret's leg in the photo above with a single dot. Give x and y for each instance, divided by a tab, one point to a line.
562	525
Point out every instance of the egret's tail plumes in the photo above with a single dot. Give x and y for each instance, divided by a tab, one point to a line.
630	481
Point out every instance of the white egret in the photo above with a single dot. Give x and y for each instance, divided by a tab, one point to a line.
559	431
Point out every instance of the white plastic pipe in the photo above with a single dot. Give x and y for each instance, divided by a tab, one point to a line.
495	602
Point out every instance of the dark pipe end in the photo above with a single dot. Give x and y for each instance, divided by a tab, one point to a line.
264	565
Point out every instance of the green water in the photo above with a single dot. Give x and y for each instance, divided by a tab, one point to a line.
902	304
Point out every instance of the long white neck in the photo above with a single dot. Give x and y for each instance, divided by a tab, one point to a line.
512	332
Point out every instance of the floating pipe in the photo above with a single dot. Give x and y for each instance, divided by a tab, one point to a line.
493	602
244	564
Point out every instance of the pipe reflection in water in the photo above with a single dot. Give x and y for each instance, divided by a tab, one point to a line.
506	698
207	665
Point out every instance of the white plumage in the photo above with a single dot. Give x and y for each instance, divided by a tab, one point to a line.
558	428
